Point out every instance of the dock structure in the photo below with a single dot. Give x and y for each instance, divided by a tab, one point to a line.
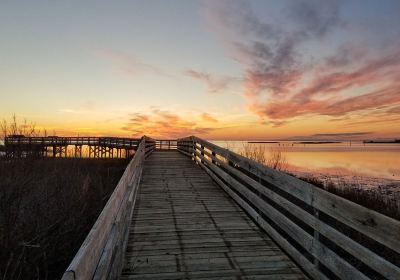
199	211
186	227
17	146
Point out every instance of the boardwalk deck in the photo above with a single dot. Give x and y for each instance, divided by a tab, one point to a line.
184	226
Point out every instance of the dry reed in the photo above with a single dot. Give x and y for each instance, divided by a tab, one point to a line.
47	207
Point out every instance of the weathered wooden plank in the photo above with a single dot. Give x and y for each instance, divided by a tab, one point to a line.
181	251
151	266
186	153
117	239
292	251
272	273
374	225
181	211
85	262
339	266
255	254
376	262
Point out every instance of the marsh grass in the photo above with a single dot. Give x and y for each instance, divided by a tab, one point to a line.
377	199
274	158
47	207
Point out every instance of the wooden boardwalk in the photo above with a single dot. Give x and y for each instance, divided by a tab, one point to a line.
184	226
170	218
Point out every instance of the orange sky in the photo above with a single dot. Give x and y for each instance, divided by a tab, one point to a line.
240	70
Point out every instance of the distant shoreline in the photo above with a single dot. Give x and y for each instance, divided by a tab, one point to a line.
397	141
302	142
318	142
262	142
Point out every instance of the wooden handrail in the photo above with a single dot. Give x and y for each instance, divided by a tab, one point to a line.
81	140
101	254
150	145
166	144
309	223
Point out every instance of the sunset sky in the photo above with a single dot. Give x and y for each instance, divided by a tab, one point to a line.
240	70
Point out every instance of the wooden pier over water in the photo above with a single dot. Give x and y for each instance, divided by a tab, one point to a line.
17	146
188	209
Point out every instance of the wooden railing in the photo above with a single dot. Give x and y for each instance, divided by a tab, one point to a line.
328	236
166	144
116	142
101	254
150	146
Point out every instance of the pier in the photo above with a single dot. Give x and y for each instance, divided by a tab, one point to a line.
189	209
17	146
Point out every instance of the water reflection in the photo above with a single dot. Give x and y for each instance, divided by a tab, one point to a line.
355	158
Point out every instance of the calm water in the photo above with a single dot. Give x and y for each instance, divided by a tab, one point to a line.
372	160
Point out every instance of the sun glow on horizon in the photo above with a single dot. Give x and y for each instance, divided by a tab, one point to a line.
269	72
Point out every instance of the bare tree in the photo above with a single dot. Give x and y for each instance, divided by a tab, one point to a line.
13	127
3	129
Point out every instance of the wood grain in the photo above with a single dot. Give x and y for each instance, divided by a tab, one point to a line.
185	226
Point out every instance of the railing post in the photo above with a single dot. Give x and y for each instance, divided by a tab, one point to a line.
193	149
316	241
194	146
202	153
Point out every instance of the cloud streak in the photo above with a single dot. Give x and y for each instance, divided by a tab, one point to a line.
129	64
164	124
208	118
214	83
270	53
282	81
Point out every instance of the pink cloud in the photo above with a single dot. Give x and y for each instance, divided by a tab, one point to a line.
394	110
373	71
208	118
130	65
281	82
214	83
163	124
285	109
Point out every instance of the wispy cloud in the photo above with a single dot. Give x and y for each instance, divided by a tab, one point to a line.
214	83
133	67
346	54
283	81
208	118
270	53
384	121
129	64
84	108
165	124
394	110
